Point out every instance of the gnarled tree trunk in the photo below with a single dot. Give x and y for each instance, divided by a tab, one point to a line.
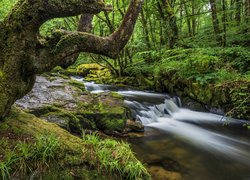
23	55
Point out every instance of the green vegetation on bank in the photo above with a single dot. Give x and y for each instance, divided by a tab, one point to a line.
31	147
217	77
28	155
114	157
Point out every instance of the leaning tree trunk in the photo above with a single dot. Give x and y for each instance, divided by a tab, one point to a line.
23	55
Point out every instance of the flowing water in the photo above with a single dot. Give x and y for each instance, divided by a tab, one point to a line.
199	145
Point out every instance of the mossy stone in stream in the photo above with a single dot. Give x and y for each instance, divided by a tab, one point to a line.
85	69
77	84
108	113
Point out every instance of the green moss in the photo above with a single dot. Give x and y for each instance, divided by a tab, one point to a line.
72	121
70	71
77	84
111	125
1	74
116	95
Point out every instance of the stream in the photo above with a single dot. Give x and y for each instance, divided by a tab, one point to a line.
199	145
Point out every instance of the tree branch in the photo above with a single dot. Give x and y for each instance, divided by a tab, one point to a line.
31	14
75	42
108	46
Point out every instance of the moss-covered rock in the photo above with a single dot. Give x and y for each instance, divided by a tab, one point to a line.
85	69
65	102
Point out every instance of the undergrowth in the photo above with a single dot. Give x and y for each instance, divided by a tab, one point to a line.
111	156
27	157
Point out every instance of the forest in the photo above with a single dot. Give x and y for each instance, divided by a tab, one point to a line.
124	89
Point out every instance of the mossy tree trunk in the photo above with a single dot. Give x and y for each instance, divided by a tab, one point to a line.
84	25
23	54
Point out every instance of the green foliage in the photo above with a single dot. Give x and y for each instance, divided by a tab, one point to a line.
5	7
68	23
238	57
26	157
150	56
5	165
114	157
240	98
140	68
205	65
45	149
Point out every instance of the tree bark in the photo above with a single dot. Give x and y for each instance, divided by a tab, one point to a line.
23	55
84	25
238	12
247	10
173	33
188	20
224	22
145	29
216	22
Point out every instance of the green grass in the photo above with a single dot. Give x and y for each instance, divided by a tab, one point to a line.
114	157
27	157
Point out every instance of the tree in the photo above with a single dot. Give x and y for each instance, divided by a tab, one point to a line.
166	11
23	55
216	24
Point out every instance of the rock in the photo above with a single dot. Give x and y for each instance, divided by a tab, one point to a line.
159	173
85	69
66	103
134	126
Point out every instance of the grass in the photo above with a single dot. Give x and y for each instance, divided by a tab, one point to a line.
112	156
27	157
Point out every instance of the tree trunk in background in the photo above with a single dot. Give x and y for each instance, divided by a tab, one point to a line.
224	22
173	32
145	29
247	11
193	19
216	22
188	20
238	12
181	18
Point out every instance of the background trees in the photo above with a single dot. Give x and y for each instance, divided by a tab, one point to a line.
168	24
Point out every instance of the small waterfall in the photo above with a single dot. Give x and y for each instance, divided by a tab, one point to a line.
187	125
93	88
153	113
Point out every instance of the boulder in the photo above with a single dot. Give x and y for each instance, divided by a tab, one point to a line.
66	103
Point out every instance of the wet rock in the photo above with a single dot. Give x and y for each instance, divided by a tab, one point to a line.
159	173
134	126
66	103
